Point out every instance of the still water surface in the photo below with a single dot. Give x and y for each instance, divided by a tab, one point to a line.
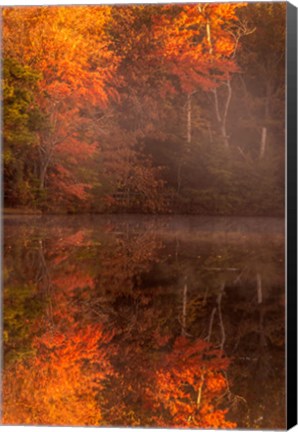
144	321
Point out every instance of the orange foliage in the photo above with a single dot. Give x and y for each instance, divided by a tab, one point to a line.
60	42
61	384
188	385
69	48
72	281
199	42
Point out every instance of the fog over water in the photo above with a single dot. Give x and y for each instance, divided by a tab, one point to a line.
158	295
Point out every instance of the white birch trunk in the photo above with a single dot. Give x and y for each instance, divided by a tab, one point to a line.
263	142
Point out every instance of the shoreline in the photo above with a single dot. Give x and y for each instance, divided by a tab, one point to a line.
36	212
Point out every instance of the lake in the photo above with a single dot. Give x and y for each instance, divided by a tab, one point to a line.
165	321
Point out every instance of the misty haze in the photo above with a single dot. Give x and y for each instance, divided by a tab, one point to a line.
143	173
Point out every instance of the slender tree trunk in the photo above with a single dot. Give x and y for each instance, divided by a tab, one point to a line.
44	282
45	156
263	343
224	136
210	328
263	362
42	178
184	294
46	152
263	142
259	288
43	171
222	112
264	133
184	308
225	114
189	115
208	35
221	324
188	139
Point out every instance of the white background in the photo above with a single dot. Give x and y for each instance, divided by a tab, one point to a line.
65	2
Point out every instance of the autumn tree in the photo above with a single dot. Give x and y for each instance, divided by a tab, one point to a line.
72	57
200	44
22	121
130	180
150	109
261	84
188	385
61	383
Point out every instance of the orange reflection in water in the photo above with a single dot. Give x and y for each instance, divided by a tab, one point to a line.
60	384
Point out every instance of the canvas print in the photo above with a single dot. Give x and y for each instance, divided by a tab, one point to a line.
143	205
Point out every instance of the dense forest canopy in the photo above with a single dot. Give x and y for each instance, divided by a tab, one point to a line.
168	108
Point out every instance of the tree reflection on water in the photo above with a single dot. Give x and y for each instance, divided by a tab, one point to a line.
120	322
